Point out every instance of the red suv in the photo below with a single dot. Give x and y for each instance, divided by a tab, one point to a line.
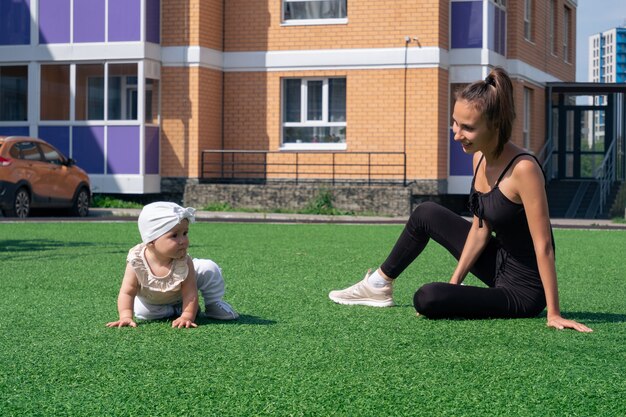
34	174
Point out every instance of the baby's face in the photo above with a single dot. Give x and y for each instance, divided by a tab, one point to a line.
174	244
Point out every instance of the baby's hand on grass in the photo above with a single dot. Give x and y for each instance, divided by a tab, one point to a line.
182	322
561	323
122	323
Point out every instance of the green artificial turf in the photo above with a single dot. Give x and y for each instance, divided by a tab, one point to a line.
293	352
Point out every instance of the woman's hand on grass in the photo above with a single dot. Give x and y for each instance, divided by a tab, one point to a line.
561	323
182	322
122	323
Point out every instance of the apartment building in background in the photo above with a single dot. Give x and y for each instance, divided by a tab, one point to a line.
607	64
607	56
136	90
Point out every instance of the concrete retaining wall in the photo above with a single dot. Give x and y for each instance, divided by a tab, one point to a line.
380	199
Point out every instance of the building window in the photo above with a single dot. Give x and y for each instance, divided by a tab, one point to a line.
13	93
90	92
566	34
55	92
315	11
122	92
528	5
102	92
528	99
314	113
497	36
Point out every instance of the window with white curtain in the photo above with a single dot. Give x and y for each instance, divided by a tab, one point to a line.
314	11
314	113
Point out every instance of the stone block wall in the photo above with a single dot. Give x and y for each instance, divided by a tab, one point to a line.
390	199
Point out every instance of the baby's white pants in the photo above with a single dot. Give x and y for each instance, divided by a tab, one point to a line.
210	284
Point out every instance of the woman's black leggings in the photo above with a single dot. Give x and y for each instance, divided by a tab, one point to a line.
445	300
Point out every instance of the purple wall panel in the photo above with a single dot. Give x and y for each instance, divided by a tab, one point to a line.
467	24
124	20
14	131
14	22
460	162
153	21
88	20
58	136
88	148
54	21
123	150
152	150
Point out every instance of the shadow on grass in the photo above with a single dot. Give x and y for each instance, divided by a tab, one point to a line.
592	317
26	245
582	316
244	319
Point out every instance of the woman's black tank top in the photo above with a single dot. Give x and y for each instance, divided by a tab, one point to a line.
506	218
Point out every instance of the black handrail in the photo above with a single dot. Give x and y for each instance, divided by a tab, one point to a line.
242	165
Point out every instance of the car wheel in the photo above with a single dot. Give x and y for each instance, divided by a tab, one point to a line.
21	205
81	203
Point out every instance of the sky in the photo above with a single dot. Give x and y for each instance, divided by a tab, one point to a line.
594	16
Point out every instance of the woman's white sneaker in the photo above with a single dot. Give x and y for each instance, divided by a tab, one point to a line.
362	293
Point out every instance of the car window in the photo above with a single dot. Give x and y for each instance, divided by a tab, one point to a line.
29	151
50	154
14	152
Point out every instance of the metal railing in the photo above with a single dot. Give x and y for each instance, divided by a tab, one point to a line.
545	157
605	174
247	165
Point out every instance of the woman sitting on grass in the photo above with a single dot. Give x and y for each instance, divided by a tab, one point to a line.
507	197
161	279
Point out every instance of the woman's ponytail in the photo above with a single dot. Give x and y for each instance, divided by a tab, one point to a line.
493	97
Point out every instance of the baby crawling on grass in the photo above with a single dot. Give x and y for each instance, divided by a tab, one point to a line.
161	280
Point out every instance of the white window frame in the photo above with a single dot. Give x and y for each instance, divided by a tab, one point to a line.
304	22
304	122
126	90
528	5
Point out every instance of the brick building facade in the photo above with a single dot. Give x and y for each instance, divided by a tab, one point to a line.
142	87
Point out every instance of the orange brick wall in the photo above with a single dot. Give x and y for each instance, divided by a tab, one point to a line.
211	20
251	101
191	118
538	51
175	22
368	128
209	112
255	25
192	22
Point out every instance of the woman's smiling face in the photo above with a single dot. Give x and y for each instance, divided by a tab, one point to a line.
471	129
